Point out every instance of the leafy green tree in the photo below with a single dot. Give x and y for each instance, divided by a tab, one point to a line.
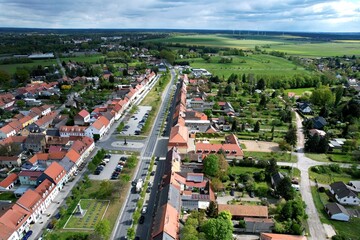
102	229
339	92
260	84
290	136
220	228
21	103
212	210
322	96
211	165
4	78
22	75
285	189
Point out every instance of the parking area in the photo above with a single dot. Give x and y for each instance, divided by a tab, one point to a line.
136	122
108	169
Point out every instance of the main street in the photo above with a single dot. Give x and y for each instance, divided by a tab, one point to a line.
124	220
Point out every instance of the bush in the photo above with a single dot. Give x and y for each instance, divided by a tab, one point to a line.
321	189
335	168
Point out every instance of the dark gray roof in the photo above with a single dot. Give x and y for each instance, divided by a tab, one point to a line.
194	177
34	138
277	177
66	163
341	190
319	122
335	208
53	132
171	195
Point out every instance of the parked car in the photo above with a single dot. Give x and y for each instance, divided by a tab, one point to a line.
152	173
123	159
142	219
27	234
143	211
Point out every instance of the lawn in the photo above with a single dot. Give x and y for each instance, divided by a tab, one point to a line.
350	230
299	91
95	211
237	170
330	157
327	178
85	59
261	64
278	156
11	68
7	196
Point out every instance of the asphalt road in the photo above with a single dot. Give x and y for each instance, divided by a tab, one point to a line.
125	219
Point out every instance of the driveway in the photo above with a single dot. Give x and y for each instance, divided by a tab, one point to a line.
108	169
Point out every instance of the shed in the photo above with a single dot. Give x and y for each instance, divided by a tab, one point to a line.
337	212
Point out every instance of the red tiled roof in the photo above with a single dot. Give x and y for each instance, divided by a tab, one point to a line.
8	180
245	210
7	129
168	222
179	134
15	217
275	236
47	118
55	171
44	186
73	155
83	113
29	200
31	174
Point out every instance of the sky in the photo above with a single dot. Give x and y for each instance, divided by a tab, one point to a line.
270	15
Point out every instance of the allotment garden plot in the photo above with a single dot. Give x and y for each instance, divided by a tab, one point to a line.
93	211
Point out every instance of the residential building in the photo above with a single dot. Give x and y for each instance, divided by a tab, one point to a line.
166	223
55	173
9	182
7	131
276	236
337	212
29	177
14	223
68	131
243	211
82	118
47	193
319	122
305	108
343	194
10	161
7	100
31	201
179	137
35	142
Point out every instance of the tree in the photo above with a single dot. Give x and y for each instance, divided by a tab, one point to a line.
22	75
339	92
216	106
111	79
285	189
257	126
220	228
263	101
102	229
105	190
271	168
4	78
211	165
168	55
261	84
322	97
290	136
234	126
21	103
212	210
9	149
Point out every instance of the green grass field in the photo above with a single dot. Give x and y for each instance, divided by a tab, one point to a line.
330	178
336	157
272	43
256	64
95	210
86	59
278	156
299	91
11	68
350	230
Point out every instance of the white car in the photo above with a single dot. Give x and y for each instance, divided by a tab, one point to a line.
144	210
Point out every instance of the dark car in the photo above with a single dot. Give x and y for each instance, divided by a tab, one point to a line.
123	159
152	173
97	172
142	219
27	235
232	192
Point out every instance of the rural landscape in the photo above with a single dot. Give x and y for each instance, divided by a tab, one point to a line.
152	133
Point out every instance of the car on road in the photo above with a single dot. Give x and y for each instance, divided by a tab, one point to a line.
148	190
152	173
142	219
149	184
143	211
27	234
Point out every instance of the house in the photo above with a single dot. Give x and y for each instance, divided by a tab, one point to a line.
337	212
31	202
354	186
46	191
46	120
276	236
166	223
336	143
243	211
9	182
100	127
276	179
10	161
179	137
29	177
320	133
7	131
319	122
55	173
76	131
35	142
257	225
82	118
305	108
14	223
343	194
7	100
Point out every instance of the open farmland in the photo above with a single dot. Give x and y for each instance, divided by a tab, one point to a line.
256	64
292	45
11	68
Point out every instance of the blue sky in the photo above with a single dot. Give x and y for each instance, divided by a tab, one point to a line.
276	15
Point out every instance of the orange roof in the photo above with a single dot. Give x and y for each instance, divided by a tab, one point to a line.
44	186
72	129
25	119
97	124
39	156
104	121
29	200
167	222
5	231
8	180
275	236
244	210
73	155
179	134
55	171
47	118
15	217
7	129
83	113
